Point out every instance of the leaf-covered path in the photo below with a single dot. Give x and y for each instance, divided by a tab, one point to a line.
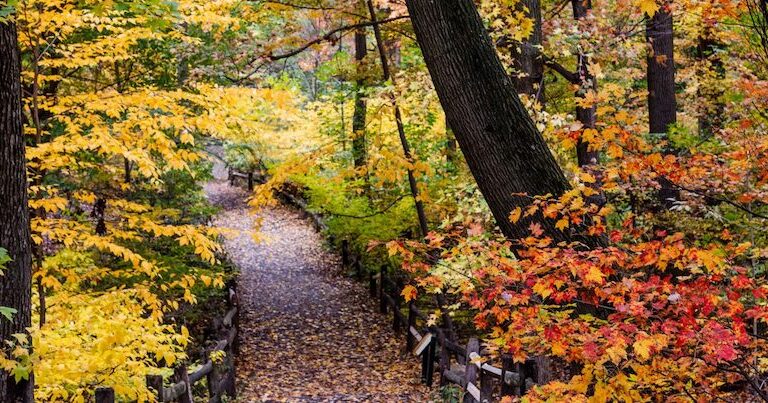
307	332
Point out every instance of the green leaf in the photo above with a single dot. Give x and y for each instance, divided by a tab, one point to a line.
20	372
7	312
8	10
4	258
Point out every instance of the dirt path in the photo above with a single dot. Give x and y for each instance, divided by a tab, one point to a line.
307	333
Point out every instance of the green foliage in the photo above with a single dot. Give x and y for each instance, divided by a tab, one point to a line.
4	259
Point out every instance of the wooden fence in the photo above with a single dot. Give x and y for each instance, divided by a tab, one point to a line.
465	366
218	369
461	365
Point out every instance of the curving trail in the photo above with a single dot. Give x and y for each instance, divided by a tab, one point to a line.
308	334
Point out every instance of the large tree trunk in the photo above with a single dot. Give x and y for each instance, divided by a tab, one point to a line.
359	146
662	104
528	63
504	150
15	283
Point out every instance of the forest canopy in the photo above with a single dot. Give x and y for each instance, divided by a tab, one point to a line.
582	183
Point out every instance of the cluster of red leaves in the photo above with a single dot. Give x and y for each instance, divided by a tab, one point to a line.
653	312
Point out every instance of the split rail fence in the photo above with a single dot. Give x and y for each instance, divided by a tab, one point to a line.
465	366
218	369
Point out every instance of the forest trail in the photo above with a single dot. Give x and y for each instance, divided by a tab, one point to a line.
307	333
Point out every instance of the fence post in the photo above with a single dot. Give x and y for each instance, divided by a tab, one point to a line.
471	369
486	386
180	374
424	360
250	181
155	382
231	177
395	313
371	283
445	358
409	339
359	268
230	374
430	353
345	253
507	365
382	301
213	379
104	395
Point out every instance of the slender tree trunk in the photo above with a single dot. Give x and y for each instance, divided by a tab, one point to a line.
15	283
662	103
423	228
504	150
526	56
712	110
450	146
587	83
359	145
587	159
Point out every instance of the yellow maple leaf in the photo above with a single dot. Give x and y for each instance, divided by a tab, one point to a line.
648	7
514	216
409	293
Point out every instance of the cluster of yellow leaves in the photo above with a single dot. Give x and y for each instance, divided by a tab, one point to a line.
101	339
103	137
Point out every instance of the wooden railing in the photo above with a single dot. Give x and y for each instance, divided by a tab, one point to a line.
463	365
218	369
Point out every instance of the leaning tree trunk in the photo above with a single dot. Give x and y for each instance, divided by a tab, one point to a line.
662	104
505	152
15	283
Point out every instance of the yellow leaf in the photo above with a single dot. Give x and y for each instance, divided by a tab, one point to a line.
649	7
409	293
514	216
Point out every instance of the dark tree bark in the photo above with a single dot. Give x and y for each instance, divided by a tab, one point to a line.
359	146
15	284
662	103
526	56
505	152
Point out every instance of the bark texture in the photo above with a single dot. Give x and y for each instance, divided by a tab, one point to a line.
528	63
504	150
662	103
15	284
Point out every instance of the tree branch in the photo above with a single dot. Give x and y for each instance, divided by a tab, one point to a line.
329	36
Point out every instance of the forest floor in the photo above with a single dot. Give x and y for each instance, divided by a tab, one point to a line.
307	332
